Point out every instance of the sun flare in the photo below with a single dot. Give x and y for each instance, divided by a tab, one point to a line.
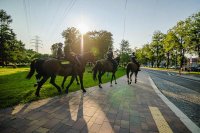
83	28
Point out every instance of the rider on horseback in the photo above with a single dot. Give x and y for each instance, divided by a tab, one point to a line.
59	53
71	56
133	59
110	57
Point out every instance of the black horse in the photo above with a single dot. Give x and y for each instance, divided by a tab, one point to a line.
131	67
103	66
87	57
51	67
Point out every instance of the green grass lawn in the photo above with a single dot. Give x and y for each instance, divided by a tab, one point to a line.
15	88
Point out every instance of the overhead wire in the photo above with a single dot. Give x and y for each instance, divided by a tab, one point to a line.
26	16
44	30
65	13
124	19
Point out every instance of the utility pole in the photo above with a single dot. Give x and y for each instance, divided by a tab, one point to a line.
37	43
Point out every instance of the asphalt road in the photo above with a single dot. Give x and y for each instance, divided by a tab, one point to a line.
181	91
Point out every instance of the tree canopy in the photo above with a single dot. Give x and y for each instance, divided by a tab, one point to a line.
172	47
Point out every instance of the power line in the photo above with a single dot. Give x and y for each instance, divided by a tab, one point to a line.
124	19
37	43
66	12
26	15
54	26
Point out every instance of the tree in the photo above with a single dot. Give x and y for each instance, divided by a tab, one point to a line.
157	46
194	33
181	31
72	39
98	42
7	37
18	54
170	43
54	49
141	56
149	54
125	51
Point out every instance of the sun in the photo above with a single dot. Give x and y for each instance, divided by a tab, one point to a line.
83	28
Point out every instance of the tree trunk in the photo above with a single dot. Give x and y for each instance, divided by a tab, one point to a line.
167	60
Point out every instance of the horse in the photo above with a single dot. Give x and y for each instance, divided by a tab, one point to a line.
87	57
51	67
104	65
131	67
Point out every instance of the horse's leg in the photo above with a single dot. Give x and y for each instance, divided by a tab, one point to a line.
136	76
99	78
37	93
81	81
127	74
71	81
111	79
64	79
127	77
77	80
52	81
115	78
38	77
131	77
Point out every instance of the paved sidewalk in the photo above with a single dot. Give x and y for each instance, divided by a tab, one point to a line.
122	108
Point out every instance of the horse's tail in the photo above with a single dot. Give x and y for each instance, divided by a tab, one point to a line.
127	70
95	69
32	70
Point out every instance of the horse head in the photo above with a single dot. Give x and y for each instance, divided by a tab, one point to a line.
117	59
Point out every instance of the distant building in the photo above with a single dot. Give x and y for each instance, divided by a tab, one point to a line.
192	62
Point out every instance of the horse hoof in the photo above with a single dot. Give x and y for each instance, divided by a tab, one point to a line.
66	91
84	91
116	83
110	85
100	86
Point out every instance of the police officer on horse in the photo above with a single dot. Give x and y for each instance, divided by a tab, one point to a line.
59	53
110	57
71	56
133	59
68	54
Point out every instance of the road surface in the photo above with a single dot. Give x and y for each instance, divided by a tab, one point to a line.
183	92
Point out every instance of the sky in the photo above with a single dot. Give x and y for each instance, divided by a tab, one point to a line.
48	18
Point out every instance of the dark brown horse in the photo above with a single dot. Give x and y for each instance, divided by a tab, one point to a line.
130	69
103	66
51	67
87	57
